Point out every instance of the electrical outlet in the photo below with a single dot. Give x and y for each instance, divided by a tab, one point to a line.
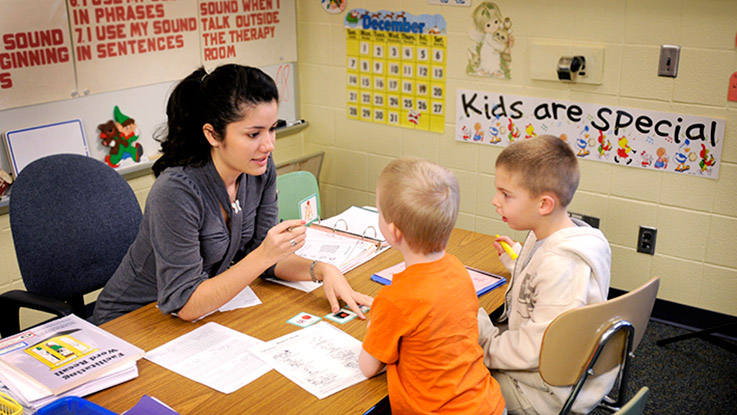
668	65
646	240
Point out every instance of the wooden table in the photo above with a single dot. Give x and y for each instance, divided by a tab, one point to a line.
148	328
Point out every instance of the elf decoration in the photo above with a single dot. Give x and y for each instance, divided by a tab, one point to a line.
120	135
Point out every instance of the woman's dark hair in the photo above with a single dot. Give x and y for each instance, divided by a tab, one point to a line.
218	98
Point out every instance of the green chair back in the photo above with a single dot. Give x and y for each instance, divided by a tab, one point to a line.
293	188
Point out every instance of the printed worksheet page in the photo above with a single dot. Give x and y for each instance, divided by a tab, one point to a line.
321	359
213	355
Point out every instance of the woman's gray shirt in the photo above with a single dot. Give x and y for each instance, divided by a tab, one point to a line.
185	240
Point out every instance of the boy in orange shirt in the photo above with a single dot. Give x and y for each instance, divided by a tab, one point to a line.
424	327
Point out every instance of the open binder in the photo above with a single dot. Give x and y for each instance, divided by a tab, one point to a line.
346	240
362	222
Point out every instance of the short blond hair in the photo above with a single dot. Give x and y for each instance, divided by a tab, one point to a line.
421	199
543	164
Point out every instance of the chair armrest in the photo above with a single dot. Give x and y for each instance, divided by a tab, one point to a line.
12	301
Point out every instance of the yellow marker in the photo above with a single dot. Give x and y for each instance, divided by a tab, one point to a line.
508	249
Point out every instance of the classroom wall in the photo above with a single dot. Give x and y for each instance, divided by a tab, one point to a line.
697	226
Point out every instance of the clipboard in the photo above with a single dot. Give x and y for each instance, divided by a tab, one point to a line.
29	144
483	281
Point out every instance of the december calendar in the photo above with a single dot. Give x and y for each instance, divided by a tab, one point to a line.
396	68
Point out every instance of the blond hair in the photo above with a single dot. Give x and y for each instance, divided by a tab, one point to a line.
421	199
544	164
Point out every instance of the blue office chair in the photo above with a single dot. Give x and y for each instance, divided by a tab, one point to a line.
293	188
73	219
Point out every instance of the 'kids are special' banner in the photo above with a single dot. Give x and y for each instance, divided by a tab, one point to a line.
396	68
624	136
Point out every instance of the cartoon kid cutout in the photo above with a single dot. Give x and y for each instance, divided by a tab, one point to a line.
120	135
662	161
479	134
623	152
491	55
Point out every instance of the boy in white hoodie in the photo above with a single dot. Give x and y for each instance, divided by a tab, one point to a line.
564	264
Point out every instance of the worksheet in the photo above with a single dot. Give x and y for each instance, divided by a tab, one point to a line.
321	359
214	356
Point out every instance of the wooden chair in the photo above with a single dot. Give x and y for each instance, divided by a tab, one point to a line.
591	340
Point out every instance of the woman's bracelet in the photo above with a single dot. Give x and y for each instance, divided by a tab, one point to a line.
312	272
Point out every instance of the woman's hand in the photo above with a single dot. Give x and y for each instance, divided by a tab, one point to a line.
283	240
337	288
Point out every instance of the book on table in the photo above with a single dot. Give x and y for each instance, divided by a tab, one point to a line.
62	355
483	281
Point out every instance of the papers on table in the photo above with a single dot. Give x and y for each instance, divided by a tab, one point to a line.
321	359
32	397
212	355
66	356
306	286
246	298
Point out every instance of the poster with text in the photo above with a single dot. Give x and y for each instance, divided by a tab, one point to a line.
676	143
248	32
36	61
396	68
120	44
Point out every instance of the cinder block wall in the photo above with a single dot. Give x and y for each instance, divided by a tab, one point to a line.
696	218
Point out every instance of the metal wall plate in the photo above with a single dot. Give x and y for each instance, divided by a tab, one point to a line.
668	65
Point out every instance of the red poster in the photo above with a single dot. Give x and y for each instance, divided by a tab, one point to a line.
249	32
36	61
126	43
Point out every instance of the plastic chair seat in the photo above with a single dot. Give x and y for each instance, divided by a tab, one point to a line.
593	339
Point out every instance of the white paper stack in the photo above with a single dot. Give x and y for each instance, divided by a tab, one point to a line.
64	357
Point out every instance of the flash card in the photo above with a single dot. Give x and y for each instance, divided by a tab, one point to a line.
341	316
364	308
308	209
304	320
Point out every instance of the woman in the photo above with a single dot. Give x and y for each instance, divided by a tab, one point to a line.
210	223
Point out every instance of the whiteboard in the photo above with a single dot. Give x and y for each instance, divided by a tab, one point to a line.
284	75
29	144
